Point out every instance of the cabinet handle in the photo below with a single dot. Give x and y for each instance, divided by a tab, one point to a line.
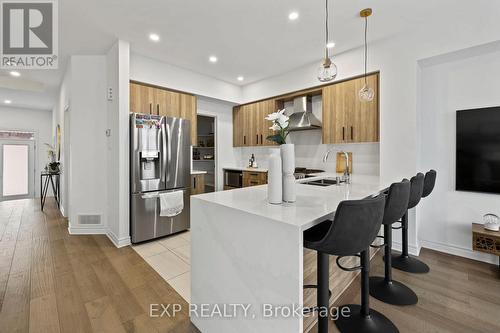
244	139
194	182
254	174
150	108
352	135
157	109
343	133
257	138
261	142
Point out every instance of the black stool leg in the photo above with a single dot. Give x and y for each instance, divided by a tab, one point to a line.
385	288
360	318
404	262
323	297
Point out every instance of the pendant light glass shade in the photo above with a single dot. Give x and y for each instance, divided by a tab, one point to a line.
366	94
327	70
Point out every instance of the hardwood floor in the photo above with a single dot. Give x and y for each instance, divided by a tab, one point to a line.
53	282
457	295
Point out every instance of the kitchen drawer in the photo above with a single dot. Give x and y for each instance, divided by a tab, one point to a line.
254	178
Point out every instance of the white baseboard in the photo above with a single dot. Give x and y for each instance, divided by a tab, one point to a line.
460	251
118	242
412	249
80	230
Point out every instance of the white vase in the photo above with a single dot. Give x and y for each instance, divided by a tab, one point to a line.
274	178
288	161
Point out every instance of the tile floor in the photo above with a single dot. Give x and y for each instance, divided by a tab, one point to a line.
171	258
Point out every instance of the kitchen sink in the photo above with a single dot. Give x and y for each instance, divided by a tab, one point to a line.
322	182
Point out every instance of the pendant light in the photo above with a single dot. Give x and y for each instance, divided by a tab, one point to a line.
328	70
366	93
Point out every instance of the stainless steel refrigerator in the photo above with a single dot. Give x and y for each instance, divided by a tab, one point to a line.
159	162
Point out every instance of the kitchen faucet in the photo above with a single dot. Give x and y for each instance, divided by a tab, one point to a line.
347	175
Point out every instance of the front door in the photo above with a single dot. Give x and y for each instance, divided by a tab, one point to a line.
17	169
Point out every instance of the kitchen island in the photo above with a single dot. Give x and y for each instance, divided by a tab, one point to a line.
248	255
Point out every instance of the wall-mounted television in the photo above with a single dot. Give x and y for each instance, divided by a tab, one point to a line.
478	150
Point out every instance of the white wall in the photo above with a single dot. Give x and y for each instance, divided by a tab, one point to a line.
468	80
58	118
159	73
39	121
226	155
467	25
87	184
117	144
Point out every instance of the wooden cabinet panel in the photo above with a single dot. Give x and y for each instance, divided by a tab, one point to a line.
345	118
254	178
141	98
188	107
197	184
249	125
164	102
364	120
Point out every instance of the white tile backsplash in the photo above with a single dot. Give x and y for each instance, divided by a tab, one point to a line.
309	153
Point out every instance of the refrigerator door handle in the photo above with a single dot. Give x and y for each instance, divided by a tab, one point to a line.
150	195
168	148
163	155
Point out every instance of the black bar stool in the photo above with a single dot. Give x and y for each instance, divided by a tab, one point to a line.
429	183
353	229
404	261
385	288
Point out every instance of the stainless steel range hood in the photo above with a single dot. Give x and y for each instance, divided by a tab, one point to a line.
301	116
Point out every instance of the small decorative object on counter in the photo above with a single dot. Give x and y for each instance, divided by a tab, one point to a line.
252	163
288	161
281	127
274	178
491	222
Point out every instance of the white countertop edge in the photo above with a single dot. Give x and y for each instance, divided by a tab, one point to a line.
245	169
198	172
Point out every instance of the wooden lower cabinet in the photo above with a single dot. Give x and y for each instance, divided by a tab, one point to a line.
254	178
197	184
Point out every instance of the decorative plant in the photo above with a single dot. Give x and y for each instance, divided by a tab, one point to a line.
280	125
53	165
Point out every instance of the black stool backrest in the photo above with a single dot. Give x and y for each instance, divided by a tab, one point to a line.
354	227
416	189
396	201
429	182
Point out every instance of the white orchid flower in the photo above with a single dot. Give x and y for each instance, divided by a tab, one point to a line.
273	116
275	127
283	120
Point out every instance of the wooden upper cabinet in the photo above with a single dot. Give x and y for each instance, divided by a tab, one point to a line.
345	118
164	102
141	98
250	128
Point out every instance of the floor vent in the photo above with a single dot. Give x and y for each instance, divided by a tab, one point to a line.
89	219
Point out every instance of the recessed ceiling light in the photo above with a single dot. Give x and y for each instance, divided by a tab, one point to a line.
330	45
240	78
154	37
7	101
14	73
293	16
212	59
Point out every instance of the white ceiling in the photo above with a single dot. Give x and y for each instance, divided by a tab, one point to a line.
253	38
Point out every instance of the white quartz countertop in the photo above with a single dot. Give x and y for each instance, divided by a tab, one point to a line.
245	169
314	203
198	172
